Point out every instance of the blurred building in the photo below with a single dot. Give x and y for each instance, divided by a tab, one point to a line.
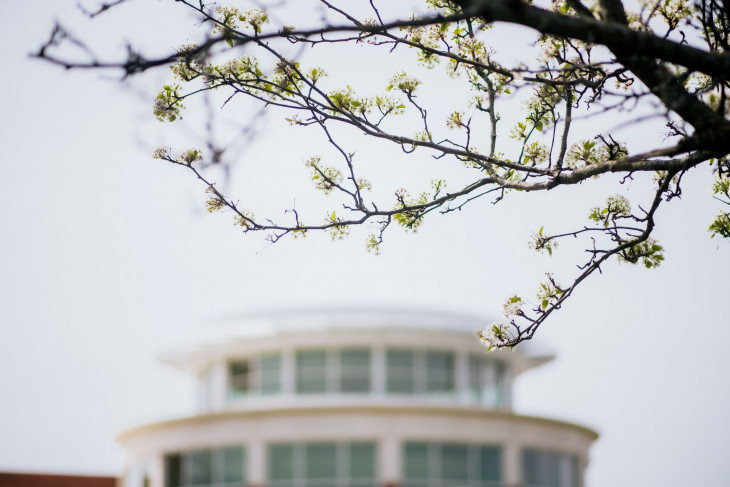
355	399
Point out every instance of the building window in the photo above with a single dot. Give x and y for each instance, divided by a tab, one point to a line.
281	465
239	373
270	374
486	381
221	467
418	372
311	371
261	375
400	372
477	378
322	465
321	371
451	464
439	372
549	469
354	370
361	468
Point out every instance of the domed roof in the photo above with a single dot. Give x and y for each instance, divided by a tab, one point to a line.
302	319
288	321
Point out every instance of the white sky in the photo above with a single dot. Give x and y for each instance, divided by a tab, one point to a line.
107	256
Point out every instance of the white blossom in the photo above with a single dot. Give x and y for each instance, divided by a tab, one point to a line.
494	336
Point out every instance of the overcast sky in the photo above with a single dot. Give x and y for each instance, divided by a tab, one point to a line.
108	256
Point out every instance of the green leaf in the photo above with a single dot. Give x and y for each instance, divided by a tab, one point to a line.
550	250
229	42
333	216
540	232
544	304
539	125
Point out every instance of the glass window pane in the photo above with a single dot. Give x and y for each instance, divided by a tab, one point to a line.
172	471
399	368
415	463
549	469
552	460
362	461
454	462
529	467
499	383
270	374
201	467
439	372
239	374
355	370
490	464
281	462
311	372
233	464
476	366
320	461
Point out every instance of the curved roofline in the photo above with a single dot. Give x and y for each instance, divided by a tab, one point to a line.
376	409
402	314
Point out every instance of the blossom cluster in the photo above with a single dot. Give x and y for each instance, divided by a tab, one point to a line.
495	335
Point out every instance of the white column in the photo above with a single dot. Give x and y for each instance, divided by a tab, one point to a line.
389	460
462	377
377	369
217	384
255	462
511	463
582	465
156	471
507	388
202	391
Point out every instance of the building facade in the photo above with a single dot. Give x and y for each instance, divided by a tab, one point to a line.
355	399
